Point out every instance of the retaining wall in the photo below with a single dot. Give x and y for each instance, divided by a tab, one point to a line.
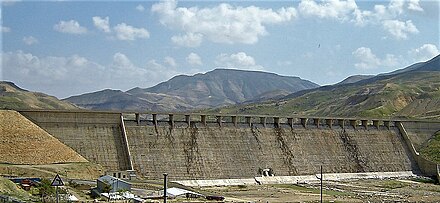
419	132
427	167
97	136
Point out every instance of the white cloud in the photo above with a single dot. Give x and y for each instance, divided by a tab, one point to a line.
30	40
335	9
194	59
188	40
101	23
140	8
71	27
6	29
368	60
424	53
221	24
66	76
51	72
414	5
127	32
121	61
399	29
386	16
239	60
170	61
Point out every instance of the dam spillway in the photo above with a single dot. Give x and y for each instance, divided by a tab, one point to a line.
222	147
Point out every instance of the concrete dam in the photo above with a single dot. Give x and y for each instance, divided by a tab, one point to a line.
194	146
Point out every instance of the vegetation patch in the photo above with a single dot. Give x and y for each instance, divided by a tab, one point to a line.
9	188
392	184
432	150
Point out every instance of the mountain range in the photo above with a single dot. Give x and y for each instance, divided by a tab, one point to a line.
216	88
412	92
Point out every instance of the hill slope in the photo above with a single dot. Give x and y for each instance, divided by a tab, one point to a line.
215	88
119	100
13	97
23	142
407	93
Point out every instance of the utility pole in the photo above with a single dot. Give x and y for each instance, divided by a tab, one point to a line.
321	183
56	191
165	187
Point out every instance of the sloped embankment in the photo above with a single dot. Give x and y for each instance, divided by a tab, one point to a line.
23	142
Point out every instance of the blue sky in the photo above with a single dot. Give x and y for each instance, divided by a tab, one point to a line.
66	48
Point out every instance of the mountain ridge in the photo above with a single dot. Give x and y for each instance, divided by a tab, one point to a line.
214	88
14	97
412	92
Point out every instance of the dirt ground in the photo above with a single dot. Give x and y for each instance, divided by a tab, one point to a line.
415	190
84	171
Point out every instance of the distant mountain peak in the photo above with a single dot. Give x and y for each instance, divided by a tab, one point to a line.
214	88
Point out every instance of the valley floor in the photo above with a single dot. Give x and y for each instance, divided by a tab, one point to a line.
391	190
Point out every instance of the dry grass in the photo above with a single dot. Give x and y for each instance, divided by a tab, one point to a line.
23	142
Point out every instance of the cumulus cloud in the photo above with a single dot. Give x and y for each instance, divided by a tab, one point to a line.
6	29
66	76
55	73
127	32
194	59
122	31
399	29
424	53
70	27
368	60
140	8
414	5
30	40
387	16
220	24
328	9
101	23
239	60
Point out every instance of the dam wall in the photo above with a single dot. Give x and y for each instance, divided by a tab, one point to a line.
195	146
97	136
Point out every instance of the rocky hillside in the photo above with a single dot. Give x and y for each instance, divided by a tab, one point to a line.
23	142
182	93
412	92
13	97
